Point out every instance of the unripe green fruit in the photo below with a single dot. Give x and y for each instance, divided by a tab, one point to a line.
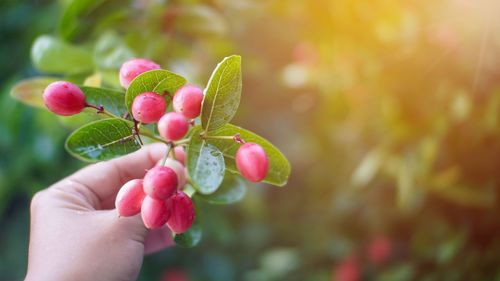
129	199
154	212
64	98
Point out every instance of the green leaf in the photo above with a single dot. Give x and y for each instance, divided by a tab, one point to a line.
102	140
232	190
222	94
30	91
52	55
193	235
111	100
279	168
157	81
76	121
205	164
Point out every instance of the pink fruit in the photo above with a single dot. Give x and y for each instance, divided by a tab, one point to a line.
180	155
148	107
160	182
379	250
155	213
187	100
64	98
252	162
347	270
129	199
132	68
178	169
182	213
173	126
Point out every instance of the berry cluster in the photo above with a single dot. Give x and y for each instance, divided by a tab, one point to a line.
159	196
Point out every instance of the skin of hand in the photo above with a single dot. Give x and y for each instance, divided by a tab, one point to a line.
75	232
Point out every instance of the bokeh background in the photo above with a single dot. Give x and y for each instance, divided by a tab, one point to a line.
388	111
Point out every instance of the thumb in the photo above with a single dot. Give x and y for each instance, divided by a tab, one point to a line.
133	228
124	227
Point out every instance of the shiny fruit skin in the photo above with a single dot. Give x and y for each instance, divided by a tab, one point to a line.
179	170
173	126
155	213
133	68
129	199
187	101
148	107
183	213
252	162
160	182
64	98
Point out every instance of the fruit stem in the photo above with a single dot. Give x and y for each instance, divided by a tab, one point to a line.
238	139
173	154
160	139
136	131
100	109
235	138
181	142
169	147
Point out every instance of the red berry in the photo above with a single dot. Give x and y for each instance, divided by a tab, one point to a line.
178	168
160	182
180	155
187	100
64	98
155	213
252	162
173	126
347	270
182	213
129	199
379	250
132	68
148	107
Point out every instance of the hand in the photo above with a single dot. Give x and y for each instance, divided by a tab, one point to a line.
76	234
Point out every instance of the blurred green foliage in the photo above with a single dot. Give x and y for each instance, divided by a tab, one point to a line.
388	111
